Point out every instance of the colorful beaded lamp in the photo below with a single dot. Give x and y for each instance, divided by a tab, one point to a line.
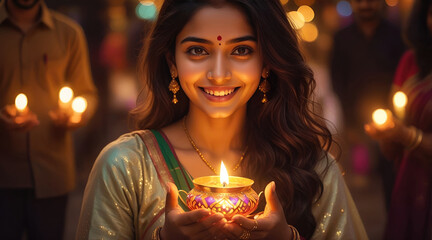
237	197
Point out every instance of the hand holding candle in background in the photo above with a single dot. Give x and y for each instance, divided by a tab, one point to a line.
21	104
79	105
65	97
386	127
69	112
18	116
383	124
400	100
383	119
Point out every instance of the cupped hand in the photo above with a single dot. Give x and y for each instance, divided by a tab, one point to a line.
271	224
63	119
22	122
390	133
196	224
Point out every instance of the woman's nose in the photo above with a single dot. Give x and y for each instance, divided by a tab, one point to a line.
219	71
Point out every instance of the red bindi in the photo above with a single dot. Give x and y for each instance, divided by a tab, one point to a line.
219	38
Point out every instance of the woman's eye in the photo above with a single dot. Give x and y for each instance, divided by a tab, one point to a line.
242	51
197	51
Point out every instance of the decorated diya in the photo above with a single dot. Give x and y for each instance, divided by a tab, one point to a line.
224	194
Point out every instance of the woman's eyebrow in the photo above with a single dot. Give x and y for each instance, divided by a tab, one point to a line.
195	39
235	40
242	39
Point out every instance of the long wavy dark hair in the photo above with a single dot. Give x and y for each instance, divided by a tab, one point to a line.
285	138
419	37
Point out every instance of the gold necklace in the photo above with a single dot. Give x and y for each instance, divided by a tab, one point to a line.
201	155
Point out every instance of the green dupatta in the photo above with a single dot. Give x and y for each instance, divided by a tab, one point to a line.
182	179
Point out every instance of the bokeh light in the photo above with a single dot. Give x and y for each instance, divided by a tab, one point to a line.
344	8
379	116
79	104
392	3
307	12
66	94
400	99
309	32
146	10
283	2
296	19
21	102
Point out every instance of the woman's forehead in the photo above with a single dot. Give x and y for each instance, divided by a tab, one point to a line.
217	24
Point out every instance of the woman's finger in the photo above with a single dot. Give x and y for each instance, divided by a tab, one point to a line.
213	232
171	198
234	231
204	224
244	222
192	217
273	203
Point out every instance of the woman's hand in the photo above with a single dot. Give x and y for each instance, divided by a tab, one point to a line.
269	225
196	224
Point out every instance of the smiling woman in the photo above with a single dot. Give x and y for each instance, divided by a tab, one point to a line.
242	94
218	79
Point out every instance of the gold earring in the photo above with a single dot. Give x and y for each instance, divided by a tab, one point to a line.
174	87
264	87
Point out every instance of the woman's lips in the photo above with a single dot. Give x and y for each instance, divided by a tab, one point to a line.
219	94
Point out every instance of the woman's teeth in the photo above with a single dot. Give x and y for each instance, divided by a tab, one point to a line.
219	93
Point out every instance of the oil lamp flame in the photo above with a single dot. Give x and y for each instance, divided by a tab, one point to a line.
379	116
79	104
21	102
400	99
224	175
66	94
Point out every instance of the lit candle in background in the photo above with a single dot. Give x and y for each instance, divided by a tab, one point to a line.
224	179
65	97
399	102
79	105
382	119
21	103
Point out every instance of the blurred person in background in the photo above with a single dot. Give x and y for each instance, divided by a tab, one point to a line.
364	58
409	142
42	51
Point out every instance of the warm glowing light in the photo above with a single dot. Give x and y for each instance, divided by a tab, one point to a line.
21	102
224	179
66	94
307	12
79	104
400	99
309	32
392	3
379	116
283	2
297	19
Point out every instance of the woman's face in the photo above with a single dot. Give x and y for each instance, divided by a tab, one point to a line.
218	61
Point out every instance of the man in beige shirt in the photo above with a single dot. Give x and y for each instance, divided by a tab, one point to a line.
41	51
